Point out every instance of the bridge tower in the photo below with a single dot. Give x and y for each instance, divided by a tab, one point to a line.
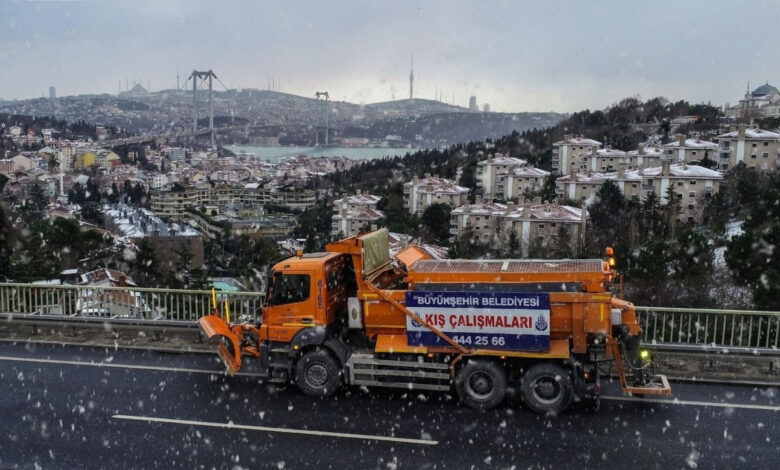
324	105
203	75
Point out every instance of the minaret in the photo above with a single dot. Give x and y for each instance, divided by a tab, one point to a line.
411	81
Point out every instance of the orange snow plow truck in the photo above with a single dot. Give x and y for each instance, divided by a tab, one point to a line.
354	316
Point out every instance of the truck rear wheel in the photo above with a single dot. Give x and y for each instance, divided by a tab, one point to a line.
481	384
547	388
317	373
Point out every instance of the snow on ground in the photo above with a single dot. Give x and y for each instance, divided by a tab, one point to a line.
733	229
719	258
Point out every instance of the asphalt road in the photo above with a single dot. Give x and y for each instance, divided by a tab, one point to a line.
81	407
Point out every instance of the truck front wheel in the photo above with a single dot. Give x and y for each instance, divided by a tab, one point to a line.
481	384
547	388
317	373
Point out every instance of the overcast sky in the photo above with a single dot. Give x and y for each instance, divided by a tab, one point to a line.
517	56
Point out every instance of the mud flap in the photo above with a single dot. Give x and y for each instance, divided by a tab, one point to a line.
229	344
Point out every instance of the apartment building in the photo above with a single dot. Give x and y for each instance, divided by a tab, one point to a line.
584	187
535	224
352	213
567	153
693	186
521	182
174	202
644	156
603	160
167	238
419	194
756	148
689	150
495	169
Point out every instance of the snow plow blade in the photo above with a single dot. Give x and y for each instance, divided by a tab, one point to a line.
228	347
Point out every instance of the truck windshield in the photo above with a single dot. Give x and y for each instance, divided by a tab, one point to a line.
288	288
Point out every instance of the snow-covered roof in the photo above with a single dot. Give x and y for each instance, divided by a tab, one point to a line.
485	208
362	199
752	133
675	171
681	171
530	171
578	141
137	222
547	211
553	212
648	152
501	159
586	178
610	152
692	143
361	214
435	185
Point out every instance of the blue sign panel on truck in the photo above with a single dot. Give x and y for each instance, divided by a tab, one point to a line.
517	321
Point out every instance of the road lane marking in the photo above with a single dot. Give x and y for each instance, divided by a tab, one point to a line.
121	366
746	406
309	432
249	374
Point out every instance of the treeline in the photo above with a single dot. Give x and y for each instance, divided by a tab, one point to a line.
667	264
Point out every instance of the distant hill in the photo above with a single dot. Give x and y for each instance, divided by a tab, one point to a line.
457	126
415	106
171	110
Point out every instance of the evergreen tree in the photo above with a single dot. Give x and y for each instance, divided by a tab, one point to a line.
691	256
38	200
562	244
608	221
113	196
753	257
145	266
467	245
513	244
671	211
548	190
436	219
652	218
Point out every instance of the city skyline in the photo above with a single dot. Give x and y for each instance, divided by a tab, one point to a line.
563	57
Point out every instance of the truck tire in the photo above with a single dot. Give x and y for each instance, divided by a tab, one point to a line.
481	384
547	388
317	373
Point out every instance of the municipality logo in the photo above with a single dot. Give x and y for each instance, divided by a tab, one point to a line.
415	323
541	323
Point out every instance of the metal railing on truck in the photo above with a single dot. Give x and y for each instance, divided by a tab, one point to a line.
750	330
124	302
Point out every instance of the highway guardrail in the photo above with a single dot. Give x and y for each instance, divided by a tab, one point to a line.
751	331
711	328
138	303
